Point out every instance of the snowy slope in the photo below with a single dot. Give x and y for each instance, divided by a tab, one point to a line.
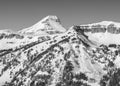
48	25
47	54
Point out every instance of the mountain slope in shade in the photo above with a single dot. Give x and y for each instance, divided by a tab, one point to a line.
73	57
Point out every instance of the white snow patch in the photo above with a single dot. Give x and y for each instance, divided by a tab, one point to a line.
104	38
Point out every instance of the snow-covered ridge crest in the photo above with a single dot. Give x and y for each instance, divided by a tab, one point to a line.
106	23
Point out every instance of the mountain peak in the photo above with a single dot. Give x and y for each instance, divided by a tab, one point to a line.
48	25
51	17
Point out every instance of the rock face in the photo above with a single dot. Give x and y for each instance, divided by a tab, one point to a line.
74	57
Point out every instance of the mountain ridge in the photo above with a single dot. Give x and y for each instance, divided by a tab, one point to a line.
83	55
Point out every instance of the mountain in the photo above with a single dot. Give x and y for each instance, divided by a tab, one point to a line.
48	25
103	32
47	54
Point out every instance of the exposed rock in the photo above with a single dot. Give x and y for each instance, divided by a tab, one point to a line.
111	28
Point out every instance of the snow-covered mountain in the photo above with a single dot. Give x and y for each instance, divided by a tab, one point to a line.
48	25
47	54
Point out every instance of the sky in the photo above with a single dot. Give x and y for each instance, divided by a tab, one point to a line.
20	14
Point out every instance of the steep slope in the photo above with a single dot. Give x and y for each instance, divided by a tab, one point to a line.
65	58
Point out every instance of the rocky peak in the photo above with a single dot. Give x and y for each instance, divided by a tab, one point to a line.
50	18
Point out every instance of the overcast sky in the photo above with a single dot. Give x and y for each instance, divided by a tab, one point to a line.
19	14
